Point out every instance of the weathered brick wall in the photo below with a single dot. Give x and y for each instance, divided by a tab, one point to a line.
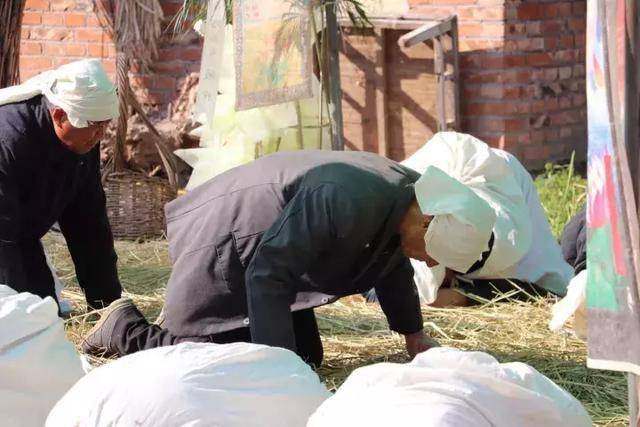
522	64
55	32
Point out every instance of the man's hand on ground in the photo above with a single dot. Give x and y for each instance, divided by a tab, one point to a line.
419	342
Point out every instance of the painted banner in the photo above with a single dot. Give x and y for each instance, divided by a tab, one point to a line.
272	51
612	218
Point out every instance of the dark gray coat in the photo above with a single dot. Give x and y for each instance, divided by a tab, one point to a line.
287	232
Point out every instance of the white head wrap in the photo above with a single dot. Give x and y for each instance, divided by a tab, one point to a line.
462	221
82	89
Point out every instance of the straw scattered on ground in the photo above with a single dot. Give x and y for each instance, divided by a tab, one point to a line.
356	334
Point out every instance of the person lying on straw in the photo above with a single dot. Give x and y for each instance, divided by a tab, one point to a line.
255	249
521	259
50	171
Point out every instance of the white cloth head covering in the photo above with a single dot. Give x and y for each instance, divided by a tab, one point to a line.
462	221
82	89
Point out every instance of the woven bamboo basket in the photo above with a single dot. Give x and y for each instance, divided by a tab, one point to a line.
135	204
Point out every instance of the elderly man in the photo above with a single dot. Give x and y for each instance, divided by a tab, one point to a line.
49	171
255	249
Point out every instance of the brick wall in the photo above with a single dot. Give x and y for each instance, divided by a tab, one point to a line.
55	32
522	64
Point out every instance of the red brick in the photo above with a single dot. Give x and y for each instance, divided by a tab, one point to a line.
53	18
36	63
483	108
58	34
536	151
31	18
565	117
566	132
578	70
467	45
63	4
554	10
530	12
25	33
36	5
168	54
91	35
539	59
579	100
565	56
534	28
566	42
75	19
580	40
516	29
565	72
564	102
550	74
551	43
164	82
553	27
154	97
141	81
30	48
579	7
512	125
484	30
537	106
74	49
475	13
491	91
54	49
173	68
512	92
97	50
191	54
170	9
109	65
93	21
577	25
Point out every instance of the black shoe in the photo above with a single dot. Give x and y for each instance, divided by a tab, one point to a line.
98	340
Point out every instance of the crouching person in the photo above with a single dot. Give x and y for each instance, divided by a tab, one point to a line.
257	248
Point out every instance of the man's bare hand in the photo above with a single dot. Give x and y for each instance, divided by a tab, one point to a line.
419	342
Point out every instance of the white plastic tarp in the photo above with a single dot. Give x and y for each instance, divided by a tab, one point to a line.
37	363
195	384
444	387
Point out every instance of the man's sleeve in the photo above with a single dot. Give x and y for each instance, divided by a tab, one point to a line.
12	271
311	223
398	297
86	229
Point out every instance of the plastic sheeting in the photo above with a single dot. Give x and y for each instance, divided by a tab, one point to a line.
230	138
195	384
37	363
444	387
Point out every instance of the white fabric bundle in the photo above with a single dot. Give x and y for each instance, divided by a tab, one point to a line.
444	387
524	247
195	384
37	363
573	304
462	222
82	89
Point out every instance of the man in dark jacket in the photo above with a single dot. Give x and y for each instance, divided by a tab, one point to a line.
50	171
255	249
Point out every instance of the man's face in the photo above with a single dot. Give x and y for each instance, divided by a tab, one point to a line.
78	140
412	230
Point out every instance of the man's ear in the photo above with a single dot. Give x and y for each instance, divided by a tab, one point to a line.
426	220
58	116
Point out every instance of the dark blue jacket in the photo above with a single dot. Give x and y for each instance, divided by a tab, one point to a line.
42	182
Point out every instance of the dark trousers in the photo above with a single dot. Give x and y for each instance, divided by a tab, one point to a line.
133	333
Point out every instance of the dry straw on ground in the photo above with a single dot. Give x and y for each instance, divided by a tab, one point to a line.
356	334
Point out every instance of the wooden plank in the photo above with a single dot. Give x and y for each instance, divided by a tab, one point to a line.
391	24
381	93
439	68
335	95
424	33
455	52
